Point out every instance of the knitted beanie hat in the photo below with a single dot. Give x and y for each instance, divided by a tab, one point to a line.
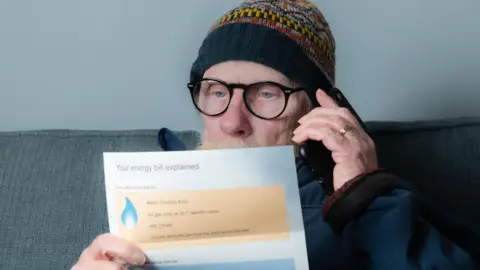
290	36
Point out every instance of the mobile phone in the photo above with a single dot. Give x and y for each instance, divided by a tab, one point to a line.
317	156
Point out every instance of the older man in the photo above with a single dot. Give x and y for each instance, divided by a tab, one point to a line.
255	83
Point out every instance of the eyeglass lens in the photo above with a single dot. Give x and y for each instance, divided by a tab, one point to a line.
266	100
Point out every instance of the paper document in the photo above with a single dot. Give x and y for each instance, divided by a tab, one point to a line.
210	209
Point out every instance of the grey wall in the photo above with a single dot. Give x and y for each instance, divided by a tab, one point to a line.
117	64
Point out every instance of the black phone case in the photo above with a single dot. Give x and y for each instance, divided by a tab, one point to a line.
317	156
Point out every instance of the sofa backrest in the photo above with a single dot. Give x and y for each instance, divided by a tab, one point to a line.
441	159
52	194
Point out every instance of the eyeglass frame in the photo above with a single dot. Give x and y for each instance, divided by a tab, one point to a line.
287	91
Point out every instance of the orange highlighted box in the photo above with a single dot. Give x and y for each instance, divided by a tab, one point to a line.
166	219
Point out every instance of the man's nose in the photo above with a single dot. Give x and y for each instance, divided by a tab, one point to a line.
235	121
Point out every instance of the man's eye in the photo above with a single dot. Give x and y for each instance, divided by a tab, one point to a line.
217	91
219	94
265	94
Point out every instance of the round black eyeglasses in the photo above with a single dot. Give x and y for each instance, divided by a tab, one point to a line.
266	100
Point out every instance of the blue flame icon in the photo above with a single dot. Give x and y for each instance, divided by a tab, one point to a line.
129	215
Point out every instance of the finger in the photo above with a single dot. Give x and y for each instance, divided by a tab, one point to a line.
304	135
334	122
108	246
99	265
339	112
332	140
325	100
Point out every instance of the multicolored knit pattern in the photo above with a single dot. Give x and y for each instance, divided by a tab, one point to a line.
300	20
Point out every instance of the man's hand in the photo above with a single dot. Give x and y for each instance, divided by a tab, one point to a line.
109	252
352	149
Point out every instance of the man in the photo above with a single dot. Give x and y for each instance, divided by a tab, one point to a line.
252	82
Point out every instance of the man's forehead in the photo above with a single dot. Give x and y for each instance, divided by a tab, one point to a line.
245	72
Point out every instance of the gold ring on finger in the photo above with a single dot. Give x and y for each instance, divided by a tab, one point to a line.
345	129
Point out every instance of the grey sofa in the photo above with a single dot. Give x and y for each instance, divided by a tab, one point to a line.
52	200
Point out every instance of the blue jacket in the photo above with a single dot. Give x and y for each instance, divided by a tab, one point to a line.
390	234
